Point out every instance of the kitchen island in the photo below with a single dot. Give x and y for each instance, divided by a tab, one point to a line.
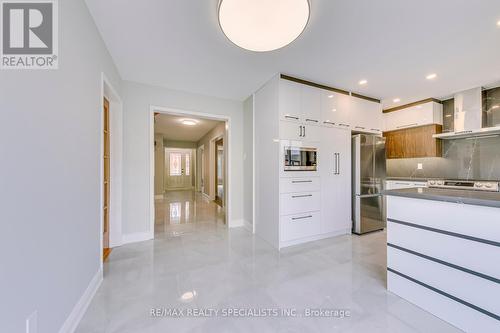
443	254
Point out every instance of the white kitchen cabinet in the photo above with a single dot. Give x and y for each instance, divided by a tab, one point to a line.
335	173
290	130
299	226
299	103
300	184
290	100
366	116
418	115
310	105
300	202
335	109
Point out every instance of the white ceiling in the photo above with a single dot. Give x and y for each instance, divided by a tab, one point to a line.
393	44
172	128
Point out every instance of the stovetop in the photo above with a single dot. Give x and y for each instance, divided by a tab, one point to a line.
489	186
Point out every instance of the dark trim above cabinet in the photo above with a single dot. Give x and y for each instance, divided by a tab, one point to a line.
414	142
401	107
321	86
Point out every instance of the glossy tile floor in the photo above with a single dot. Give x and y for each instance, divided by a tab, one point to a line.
195	262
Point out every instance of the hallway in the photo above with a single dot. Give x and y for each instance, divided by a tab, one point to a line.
183	211
195	262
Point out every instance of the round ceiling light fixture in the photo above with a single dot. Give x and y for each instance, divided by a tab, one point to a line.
263	25
189	122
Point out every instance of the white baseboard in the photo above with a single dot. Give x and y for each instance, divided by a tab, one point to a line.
81	306
340	232
237	223
248	225
136	237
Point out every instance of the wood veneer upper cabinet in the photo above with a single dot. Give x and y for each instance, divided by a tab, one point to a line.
414	142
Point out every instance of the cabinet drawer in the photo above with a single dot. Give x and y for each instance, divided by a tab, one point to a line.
296	203
299	226
290	185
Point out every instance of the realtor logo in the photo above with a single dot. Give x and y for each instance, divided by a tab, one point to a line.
29	34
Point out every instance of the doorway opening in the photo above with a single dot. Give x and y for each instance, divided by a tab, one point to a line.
190	170
219	171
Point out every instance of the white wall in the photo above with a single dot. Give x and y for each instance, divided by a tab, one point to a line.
50	198
248	160
137	101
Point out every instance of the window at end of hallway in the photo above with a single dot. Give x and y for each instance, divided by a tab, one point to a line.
188	165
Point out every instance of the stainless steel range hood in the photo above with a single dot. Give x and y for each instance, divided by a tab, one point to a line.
469	117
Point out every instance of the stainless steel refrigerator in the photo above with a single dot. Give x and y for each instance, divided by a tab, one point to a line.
368	179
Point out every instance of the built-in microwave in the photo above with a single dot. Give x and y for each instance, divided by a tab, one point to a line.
300	158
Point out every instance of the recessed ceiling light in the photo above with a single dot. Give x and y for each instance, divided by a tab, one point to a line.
362	82
396	100
431	76
330	96
263	25
498	23
495	106
334	110
189	122
188	296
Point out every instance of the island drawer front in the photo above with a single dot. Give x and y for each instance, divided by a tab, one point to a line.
455	313
471	220
453	250
300	226
291	185
296	203
479	291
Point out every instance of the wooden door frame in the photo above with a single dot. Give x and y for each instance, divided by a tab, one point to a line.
116	141
229	162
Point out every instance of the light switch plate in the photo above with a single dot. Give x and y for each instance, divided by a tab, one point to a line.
32	323
420	166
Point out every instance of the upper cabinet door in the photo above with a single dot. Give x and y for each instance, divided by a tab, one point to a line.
290	100
366	115
335	109
311	105
414	116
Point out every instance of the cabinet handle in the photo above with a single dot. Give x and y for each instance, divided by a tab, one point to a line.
291	117
300	131
338	163
329	123
375	129
312	120
301	196
345	125
301	181
334	163
403	126
301	218
304	131
360	127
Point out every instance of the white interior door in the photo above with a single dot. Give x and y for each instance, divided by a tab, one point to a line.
178	169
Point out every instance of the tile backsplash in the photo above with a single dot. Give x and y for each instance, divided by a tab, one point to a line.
472	158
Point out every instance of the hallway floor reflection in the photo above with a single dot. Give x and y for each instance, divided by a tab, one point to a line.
181	211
